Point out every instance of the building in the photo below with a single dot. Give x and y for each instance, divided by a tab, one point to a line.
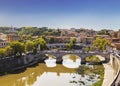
102	36
57	39
12	36
5	39
3	36
56	45
85	40
3	43
115	34
69	33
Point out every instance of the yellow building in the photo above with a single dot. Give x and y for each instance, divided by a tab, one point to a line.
12	36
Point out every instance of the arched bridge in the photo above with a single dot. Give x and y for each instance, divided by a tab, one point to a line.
82	54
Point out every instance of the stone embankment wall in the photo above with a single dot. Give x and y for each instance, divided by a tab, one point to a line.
7	64
11	63
115	63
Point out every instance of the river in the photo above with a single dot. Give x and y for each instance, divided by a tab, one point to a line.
44	75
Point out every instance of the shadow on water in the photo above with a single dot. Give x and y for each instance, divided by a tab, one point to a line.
97	63
22	69
34	65
17	71
94	63
13	72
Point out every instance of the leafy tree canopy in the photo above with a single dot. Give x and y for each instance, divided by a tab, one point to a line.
18	47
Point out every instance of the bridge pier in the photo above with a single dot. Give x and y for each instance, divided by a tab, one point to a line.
58	58
59	61
83	59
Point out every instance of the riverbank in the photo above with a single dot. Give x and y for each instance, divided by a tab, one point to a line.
18	64
30	64
108	74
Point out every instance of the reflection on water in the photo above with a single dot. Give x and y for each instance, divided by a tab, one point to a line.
70	64
39	76
86	80
51	79
71	61
50	62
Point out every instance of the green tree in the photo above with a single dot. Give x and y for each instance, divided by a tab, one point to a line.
18	48
51	40
40	41
87	49
2	52
73	41
29	45
100	43
69	46
34	50
103	32
8	50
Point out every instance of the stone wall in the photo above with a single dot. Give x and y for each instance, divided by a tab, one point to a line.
115	63
11	63
7	64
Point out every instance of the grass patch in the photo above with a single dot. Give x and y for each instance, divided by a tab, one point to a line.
98	83
96	69
92	59
83	70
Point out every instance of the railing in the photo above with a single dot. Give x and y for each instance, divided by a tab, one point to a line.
118	72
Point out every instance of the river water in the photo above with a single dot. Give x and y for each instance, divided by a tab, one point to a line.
49	74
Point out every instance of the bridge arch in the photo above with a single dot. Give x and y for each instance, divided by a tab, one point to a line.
72	57
50	56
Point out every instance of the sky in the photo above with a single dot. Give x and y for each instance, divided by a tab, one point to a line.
64	14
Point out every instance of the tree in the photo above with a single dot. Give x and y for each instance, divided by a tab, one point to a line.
73	41
34	50
71	44
8	50
40	41
29	45
2	52
104	32
18	48
87	49
50	40
100	43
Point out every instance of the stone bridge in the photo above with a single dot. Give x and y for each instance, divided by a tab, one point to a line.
82	54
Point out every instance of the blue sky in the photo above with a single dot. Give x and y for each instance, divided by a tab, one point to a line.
92	14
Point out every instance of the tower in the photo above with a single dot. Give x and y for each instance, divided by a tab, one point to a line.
11	30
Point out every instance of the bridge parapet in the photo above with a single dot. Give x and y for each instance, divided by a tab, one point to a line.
79	53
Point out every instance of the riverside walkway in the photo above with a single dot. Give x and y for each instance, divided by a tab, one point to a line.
108	74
